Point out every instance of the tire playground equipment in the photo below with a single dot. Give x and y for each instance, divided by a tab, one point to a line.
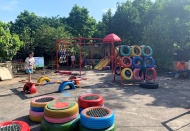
37	105
61	116
97	118
14	126
64	84
128	63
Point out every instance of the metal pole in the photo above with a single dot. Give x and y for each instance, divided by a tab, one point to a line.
56	56
80	55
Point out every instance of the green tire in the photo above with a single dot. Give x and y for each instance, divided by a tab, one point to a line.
112	128
70	126
122	51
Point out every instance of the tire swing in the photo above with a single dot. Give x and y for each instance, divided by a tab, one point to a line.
153	74
14	126
146	50
136	75
125	50
136	61
127	73
43	79
64	84
126	62
97	118
136	51
150	62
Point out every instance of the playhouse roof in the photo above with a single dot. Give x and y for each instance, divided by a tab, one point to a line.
112	38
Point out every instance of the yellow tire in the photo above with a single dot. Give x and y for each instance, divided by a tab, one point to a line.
61	113
44	101
123	74
134	49
35	119
43	79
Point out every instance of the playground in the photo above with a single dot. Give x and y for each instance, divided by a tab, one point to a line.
135	108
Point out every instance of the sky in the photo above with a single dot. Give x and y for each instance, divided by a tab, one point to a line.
10	9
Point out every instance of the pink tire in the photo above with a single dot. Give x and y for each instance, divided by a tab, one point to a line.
153	76
36	114
61	120
136	75
42	101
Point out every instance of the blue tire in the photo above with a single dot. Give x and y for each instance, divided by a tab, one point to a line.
97	122
144	48
37	109
135	60
152	62
64	84
125	50
80	109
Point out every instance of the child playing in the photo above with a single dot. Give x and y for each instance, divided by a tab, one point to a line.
143	68
30	65
73	60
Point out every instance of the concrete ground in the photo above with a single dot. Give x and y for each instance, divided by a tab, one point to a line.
136	109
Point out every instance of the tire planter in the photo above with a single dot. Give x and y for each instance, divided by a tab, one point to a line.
97	118
64	84
124	74
134	53
64	110
112	128
122	62
70	126
135	61
125	50
36	116
14	125
149	85
153	76
42	101
37	109
145	48
136	75
43	79
151	60
90	100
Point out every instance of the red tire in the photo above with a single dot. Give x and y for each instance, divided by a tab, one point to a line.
153	76
21	124
90	100
122	62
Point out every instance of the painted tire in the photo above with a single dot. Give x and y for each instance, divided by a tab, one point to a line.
112	128
61	113
122	50
152	62
135	60
42	101
64	84
80	109
149	85
42	79
19	125
133	53
35	119
37	109
70	126
123	59
144	48
90	100
60	120
123	73
29	87
136	75
153	72
97	118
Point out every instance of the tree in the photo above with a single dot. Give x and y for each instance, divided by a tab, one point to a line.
9	43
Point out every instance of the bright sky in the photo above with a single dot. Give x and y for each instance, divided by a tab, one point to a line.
9	9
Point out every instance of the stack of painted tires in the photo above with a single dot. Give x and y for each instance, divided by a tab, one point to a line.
61	116
90	100
129	59
97	119
37	105
14	126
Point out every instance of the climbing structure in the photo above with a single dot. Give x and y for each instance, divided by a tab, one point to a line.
128	62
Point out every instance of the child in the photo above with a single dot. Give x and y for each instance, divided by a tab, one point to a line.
30	65
73	61
143	68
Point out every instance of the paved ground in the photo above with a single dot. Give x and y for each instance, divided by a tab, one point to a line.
136	109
